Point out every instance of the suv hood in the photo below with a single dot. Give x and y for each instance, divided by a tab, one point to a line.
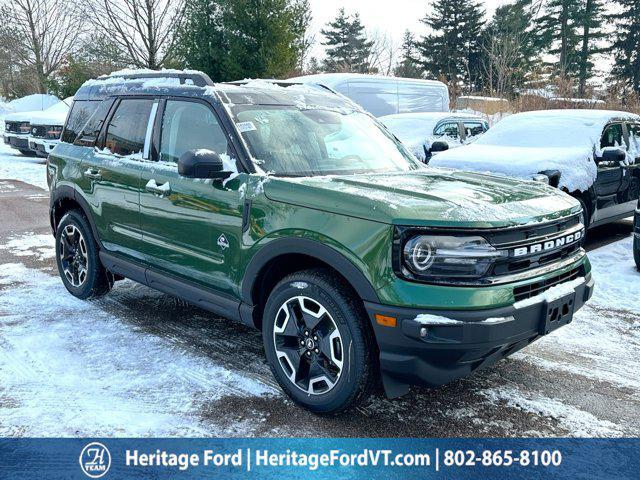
427	197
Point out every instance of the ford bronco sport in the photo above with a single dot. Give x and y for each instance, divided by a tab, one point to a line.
295	212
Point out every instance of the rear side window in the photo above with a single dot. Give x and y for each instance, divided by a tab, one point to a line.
80	113
189	126
127	128
473	129
92	128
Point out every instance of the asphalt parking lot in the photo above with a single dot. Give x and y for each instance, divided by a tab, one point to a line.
138	362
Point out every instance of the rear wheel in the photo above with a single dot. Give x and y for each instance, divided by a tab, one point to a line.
318	343
77	257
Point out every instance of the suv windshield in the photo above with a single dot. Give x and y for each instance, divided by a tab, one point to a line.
306	142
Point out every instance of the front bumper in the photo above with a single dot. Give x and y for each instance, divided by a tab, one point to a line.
20	142
449	351
41	146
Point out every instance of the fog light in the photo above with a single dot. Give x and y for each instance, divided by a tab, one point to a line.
424	332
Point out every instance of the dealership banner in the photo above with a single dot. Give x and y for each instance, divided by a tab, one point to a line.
317	458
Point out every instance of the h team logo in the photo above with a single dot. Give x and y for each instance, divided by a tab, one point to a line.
95	460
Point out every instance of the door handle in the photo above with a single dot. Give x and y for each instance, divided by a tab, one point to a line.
163	190
93	173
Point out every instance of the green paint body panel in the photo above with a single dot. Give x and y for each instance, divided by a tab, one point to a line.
354	215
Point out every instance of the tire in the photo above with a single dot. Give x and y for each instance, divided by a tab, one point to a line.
587	216
636	252
27	153
77	258
330	387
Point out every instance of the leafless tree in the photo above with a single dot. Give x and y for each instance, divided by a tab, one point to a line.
144	30
42	34
382	55
502	62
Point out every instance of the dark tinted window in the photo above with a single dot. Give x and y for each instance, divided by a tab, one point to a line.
80	113
92	128
612	136
189	126
128	126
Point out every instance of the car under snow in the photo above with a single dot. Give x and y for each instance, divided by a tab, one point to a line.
427	133
594	155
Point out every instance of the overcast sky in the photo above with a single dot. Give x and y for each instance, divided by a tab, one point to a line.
388	16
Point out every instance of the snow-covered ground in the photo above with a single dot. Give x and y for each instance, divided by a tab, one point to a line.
139	363
15	166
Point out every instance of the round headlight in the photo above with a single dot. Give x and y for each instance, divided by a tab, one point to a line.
421	254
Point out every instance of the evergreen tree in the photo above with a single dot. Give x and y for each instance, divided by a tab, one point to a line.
626	45
559	34
453	49
591	21
408	64
235	39
347	46
510	52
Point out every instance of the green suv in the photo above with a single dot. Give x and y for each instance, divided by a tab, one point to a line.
293	211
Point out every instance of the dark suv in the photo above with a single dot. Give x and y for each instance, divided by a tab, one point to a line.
293	211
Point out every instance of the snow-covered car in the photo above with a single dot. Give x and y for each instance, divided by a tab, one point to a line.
593	155
636	236
428	133
17	124
46	127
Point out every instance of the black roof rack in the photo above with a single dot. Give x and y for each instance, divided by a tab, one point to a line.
198	79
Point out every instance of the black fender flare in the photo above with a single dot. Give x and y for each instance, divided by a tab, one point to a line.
310	248
65	192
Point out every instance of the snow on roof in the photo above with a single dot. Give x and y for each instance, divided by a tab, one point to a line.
483	99
21	109
55	115
525	144
332	79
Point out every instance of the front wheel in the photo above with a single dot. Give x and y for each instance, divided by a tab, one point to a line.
317	342
636	252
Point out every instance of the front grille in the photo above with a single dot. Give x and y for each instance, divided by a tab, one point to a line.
510	240
533	289
39	131
12	127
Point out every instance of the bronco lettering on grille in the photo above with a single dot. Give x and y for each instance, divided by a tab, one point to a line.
548	245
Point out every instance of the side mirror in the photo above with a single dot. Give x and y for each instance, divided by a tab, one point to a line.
439	146
202	164
613	155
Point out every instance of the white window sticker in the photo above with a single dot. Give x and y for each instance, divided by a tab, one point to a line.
246	127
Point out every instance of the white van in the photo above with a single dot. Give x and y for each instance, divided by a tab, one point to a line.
381	95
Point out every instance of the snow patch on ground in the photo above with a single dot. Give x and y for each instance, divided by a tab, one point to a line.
64	351
39	246
617	279
14	166
576	421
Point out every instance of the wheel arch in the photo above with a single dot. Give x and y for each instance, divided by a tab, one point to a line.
283	256
65	198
